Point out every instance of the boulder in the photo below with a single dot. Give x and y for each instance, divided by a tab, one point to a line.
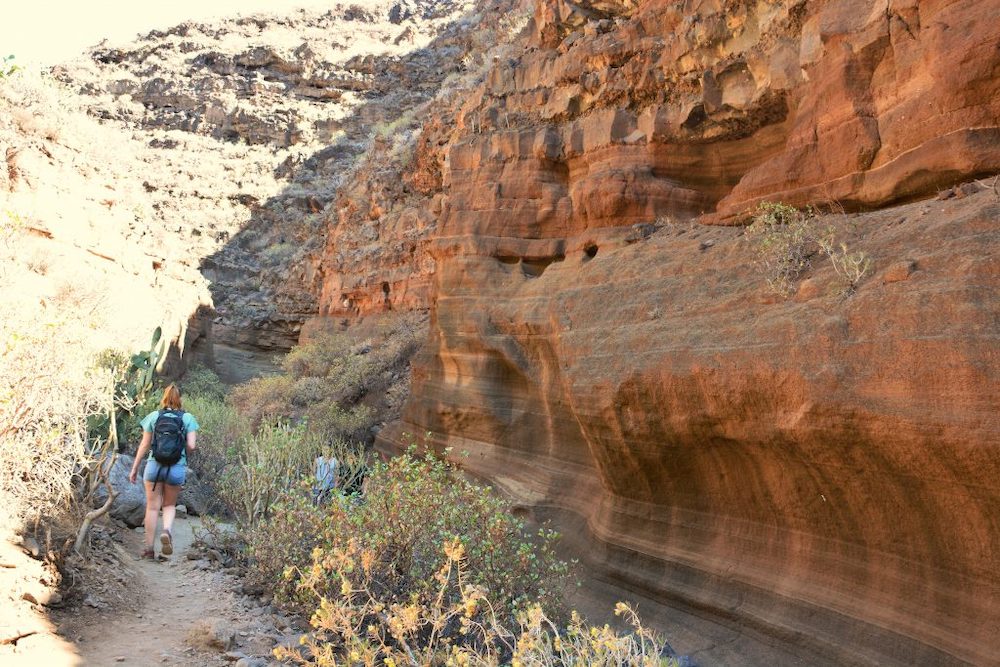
130	505
195	496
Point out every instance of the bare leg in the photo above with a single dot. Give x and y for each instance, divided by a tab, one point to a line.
170	493
153	499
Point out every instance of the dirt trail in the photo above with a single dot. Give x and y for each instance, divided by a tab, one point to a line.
190	614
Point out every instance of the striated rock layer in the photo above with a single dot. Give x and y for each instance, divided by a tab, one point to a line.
818	471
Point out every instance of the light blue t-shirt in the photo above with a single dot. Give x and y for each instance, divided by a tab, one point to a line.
190	425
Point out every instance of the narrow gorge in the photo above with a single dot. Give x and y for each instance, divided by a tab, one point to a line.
556	196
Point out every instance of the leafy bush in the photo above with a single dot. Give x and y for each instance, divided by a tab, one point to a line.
330	422
202	381
263	399
308	390
298	522
315	358
452	623
410	507
295	527
267	464
221	435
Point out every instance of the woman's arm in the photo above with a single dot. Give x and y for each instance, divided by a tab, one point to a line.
147	437
191	437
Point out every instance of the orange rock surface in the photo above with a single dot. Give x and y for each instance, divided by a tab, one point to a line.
819	470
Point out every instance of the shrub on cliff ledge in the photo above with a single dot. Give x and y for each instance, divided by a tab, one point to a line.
783	244
785	241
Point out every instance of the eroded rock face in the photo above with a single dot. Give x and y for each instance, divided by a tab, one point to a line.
818	469
681	109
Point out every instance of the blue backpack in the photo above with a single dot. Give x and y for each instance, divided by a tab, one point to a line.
169	439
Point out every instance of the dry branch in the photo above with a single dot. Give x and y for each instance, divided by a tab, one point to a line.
93	515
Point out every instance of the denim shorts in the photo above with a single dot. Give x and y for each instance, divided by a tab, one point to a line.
155	472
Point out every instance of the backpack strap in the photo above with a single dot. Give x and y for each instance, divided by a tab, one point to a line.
166	473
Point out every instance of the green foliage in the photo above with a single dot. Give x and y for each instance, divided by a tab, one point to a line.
263	399
330	422
134	384
288	537
7	67
412	505
139	381
267	464
202	381
222	433
317	357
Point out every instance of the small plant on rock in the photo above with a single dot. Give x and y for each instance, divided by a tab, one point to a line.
850	267
783	244
785	241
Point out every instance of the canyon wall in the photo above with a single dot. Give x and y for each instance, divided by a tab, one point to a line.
817	471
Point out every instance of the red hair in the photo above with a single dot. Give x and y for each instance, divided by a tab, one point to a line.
171	398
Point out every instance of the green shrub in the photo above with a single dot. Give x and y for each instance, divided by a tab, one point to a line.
221	434
287	538
410	507
314	359
308	390
783	244
202	381
297	523
267	464
263	399
330	422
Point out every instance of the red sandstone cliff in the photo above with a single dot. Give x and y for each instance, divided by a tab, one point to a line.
818	471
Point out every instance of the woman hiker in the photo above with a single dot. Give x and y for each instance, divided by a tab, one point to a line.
175	439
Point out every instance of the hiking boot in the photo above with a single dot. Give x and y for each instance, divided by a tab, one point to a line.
166	542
